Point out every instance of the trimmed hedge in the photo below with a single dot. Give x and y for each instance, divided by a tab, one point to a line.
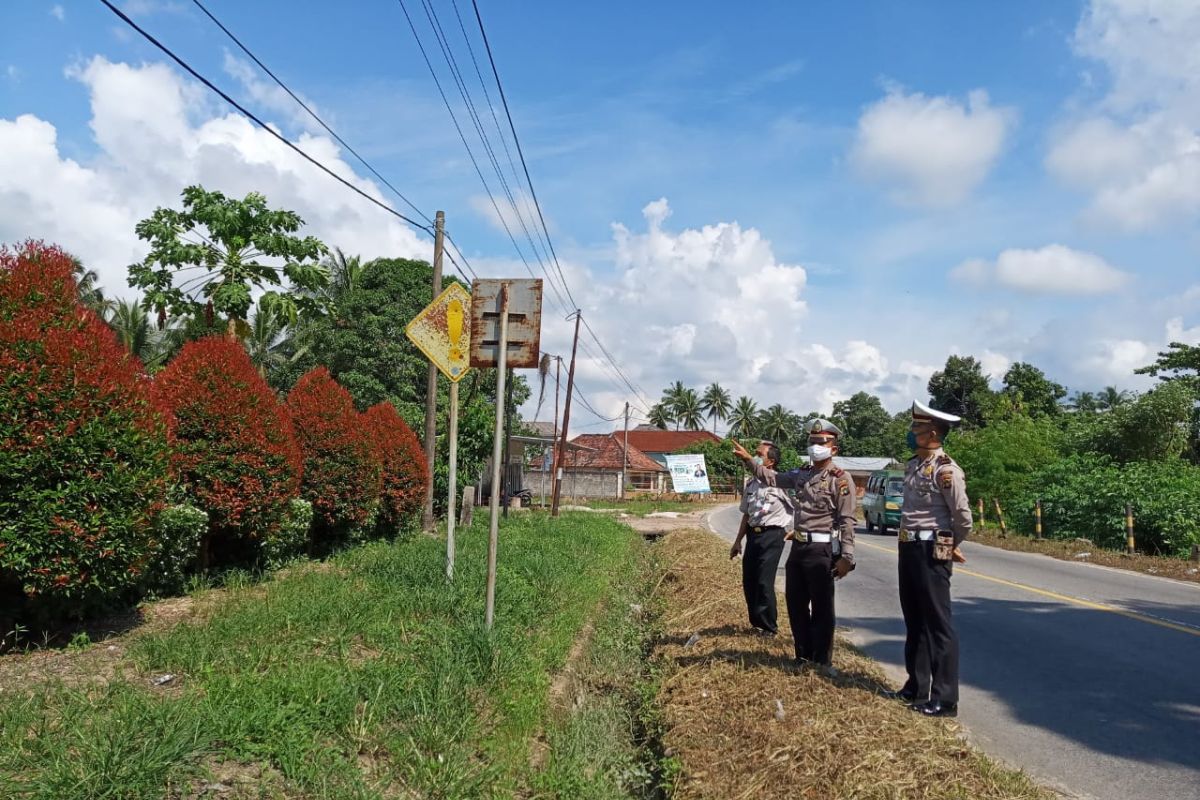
234	451
342	473
83	460
405	472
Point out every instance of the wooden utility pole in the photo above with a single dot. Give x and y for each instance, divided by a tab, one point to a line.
507	484
554	447
453	480
625	455
562	442
431	381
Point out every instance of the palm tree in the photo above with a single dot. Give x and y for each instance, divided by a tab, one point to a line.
743	418
264	340
716	404
776	421
1083	401
688	412
87	288
1111	397
660	416
344	273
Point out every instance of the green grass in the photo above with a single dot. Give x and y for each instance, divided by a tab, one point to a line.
603	737
351	681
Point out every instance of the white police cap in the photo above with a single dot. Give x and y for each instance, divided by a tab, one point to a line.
922	411
819	425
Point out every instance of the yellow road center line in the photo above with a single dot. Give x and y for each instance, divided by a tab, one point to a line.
1076	601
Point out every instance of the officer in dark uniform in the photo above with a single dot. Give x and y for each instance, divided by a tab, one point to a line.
822	540
935	520
766	516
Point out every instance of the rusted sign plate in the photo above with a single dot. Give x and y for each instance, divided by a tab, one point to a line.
441	331
524	322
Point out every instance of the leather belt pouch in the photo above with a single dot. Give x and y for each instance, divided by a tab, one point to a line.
943	546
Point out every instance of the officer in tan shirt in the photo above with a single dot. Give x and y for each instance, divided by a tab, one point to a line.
766	515
935	520
824	523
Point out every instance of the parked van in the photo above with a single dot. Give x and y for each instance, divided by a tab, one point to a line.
882	500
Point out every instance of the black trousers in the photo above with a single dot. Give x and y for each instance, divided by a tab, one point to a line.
930	642
810	600
759	563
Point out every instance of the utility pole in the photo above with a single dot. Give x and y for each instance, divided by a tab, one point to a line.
562	442
625	455
506	481
497	456
554	447
431	383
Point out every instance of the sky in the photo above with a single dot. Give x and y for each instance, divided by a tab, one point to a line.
798	201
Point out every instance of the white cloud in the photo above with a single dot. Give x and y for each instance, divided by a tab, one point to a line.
1053	269
931	151
1137	151
272	97
157	134
57	12
13	73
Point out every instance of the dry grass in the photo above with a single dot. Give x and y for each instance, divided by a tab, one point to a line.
838	738
1070	550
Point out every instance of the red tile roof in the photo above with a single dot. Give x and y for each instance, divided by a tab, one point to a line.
659	441
606	453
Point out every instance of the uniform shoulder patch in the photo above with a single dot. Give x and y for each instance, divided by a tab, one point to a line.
947	479
944	459
837	472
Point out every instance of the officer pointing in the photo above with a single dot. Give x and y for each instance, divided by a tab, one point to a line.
824	520
935	521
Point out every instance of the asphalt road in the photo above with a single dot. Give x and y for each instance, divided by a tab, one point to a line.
1086	677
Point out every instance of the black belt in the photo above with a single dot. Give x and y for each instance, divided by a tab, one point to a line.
761	528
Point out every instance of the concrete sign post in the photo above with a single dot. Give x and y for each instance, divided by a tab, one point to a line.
441	332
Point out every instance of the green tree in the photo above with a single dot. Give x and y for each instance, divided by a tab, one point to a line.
688	411
1181	363
716	403
223	250
1110	397
743	419
1156	426
1084	402
266	340
1031	391
864	423
961	388
1001	459
777	423
132	325
660	416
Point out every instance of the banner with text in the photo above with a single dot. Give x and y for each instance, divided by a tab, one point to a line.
688	473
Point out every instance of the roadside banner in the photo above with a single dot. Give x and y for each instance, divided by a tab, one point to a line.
688	473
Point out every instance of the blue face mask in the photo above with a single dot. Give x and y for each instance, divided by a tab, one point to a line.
911	440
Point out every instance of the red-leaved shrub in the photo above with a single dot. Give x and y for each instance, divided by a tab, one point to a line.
83	467
233	449
404	469
341	471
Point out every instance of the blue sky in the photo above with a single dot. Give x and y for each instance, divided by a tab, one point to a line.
850	195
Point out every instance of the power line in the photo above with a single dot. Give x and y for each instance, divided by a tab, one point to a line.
637	390
188	68
328	129
520	151
462	136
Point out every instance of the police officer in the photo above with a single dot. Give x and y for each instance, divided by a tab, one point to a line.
935	520
824	524
766	513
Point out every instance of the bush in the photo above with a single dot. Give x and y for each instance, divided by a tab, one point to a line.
82	452
404	469
234	451
342	475
1085	496
287	543
178	532
1000	460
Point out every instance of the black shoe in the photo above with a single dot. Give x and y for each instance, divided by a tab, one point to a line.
936	708
764	633
901	695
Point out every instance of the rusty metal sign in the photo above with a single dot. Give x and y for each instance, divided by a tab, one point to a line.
524	322
441	331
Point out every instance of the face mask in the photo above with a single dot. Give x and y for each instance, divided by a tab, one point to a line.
757	461
911	440
819	452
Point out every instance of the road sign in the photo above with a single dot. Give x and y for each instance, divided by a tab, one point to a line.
524	322
441	331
